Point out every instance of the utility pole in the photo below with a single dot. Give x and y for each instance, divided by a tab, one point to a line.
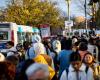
68	9
68	3
85	6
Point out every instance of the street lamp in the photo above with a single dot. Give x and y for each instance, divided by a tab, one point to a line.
68	4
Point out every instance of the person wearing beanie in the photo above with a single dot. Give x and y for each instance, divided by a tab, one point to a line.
39	49
37	72
77	70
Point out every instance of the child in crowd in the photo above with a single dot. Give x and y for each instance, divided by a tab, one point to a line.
77	70
90	62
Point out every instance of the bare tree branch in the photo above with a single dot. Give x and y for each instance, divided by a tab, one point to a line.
80	4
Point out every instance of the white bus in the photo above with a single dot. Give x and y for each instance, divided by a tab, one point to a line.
17	33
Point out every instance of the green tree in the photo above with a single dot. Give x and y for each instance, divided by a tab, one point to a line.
33	12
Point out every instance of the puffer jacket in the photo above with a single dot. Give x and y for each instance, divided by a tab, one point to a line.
71	74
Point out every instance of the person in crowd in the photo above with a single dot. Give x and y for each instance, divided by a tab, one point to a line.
52	51
75	46
89	61
92	47
27	47
13	59
37	72
56	46
84	39
21	51
39	49
75	43
7	71
96	49
63	43
64	56
74	40
48	59
49	48
10	48
77	70
21	68
35	39
82	49
98	45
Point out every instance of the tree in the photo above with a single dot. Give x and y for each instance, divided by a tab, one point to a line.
95	13
81	5
98	18
2	14
33	12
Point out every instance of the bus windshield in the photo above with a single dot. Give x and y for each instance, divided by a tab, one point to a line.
3	35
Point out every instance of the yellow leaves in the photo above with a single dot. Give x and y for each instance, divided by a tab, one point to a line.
34	11
26	12
37	11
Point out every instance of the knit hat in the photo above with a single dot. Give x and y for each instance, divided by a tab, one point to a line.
75	56
35	67
39	48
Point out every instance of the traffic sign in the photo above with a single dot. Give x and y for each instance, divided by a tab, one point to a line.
68	23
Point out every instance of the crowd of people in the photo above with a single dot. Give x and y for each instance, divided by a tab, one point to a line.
58	58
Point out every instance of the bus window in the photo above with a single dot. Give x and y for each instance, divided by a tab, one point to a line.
3	35
23	36
19	37
28	37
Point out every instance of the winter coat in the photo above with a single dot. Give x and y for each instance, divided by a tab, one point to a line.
96	70
63	59
41	59
83	75
48	59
